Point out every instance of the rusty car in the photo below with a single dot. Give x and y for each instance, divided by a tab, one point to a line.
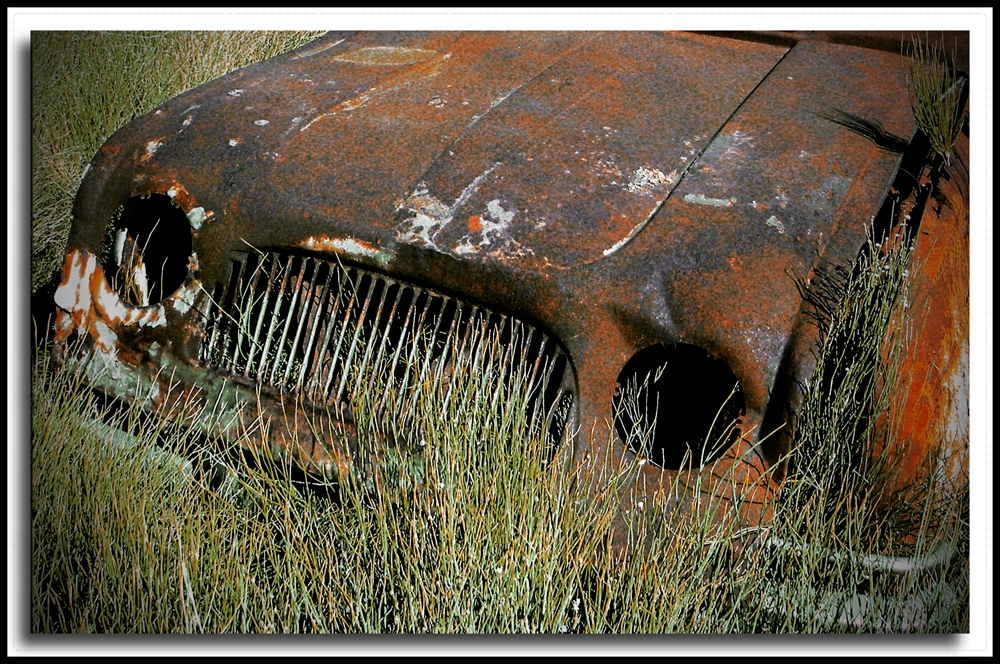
615	208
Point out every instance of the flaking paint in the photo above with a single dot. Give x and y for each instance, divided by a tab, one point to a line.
350	246
701	199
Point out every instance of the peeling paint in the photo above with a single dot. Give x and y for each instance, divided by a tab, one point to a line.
151	148
648	181
386	55
196	216
503	217
184	299
120	244
699	199
84	293
492	227
429	215
233	142
350	246
238	92
140	280
261	123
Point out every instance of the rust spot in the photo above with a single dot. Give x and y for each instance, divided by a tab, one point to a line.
349	246
475	223
932	403
84	294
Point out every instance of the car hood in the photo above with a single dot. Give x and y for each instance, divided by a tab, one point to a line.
551	149
619	189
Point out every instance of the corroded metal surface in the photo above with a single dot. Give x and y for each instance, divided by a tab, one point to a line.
616	190
932	402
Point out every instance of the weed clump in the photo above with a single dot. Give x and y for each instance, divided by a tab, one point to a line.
934	90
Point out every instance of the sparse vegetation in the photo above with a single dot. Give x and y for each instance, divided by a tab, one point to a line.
471	530
934	89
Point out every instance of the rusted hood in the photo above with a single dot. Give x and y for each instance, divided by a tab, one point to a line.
547	147
619	189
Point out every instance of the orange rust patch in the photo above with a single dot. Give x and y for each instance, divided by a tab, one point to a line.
932	402
475	223
166	183
85	296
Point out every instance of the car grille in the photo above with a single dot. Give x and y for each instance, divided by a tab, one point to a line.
330	333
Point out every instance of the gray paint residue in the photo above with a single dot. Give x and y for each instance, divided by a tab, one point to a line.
699	199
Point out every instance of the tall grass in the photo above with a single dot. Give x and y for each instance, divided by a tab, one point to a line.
934	89
475	527
838	517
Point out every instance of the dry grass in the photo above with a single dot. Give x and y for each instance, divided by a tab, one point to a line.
471	530
934	89
468	531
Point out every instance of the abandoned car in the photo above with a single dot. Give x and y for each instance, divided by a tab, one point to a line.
604	212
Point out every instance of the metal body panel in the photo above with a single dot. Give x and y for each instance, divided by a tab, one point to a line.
616	190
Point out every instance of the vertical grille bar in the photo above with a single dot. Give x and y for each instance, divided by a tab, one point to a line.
345	374
333	302
281	352
328	332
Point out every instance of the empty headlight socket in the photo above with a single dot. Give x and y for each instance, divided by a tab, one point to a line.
678	406
146	249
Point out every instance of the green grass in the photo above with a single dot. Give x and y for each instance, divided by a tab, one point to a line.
472	530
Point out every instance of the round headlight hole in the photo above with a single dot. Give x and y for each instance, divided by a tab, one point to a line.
678	406
147	249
